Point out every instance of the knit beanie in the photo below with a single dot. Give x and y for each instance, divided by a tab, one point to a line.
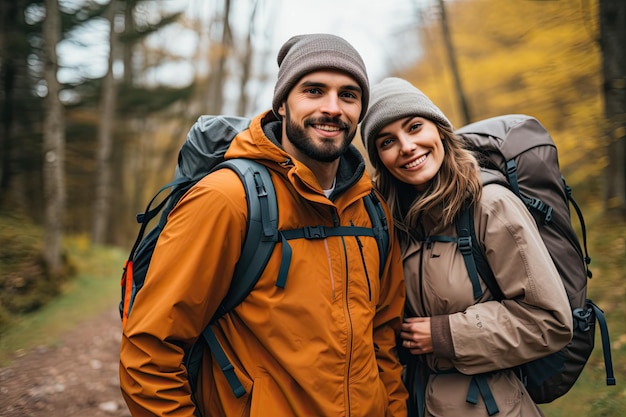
394	99
303	54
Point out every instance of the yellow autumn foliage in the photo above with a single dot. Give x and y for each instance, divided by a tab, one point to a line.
523	56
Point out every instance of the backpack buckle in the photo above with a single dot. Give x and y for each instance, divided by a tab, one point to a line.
314	232
260	187
542	208
581	319
465	244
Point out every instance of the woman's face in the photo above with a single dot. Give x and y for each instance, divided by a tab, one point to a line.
412	150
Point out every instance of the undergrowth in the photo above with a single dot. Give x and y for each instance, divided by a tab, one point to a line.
94	289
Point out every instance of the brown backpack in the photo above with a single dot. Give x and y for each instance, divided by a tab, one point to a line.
517	151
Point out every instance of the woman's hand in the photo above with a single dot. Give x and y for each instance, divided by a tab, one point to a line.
416	335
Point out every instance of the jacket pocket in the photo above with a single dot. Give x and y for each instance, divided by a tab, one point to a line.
268	400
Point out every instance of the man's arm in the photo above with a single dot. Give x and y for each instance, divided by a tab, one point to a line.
187	278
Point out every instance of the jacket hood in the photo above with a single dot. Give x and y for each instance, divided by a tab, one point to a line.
262	141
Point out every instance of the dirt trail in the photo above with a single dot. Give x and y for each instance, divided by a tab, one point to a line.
75	378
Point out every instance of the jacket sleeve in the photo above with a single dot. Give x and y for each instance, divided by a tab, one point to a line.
186	280
387	323
533	320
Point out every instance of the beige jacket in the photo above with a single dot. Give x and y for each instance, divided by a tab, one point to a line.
486	336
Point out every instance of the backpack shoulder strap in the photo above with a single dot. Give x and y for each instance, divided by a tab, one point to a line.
473	255
583	228
261	233
261	236
379	225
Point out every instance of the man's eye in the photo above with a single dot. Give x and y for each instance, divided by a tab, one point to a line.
313	91
349	94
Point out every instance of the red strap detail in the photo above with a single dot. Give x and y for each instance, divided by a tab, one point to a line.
127	283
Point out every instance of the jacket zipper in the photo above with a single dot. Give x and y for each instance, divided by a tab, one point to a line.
350	328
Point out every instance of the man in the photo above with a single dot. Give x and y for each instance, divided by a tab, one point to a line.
325	344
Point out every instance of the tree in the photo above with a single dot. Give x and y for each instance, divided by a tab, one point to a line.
246	63
53	144
9	13
105	138
612	41
222	49
20	109
534	57
454	68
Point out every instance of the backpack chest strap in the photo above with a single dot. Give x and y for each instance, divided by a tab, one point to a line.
465	246
312	232
322	232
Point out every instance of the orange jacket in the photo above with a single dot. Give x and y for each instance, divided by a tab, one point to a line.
322	346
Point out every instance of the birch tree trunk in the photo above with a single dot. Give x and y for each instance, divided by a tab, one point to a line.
53	144
102	198
246	65
218	64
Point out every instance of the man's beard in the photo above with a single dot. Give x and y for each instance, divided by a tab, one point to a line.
329	150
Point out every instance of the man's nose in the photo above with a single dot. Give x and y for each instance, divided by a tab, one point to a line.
331	104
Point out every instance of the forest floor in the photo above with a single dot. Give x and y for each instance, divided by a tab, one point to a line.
75	377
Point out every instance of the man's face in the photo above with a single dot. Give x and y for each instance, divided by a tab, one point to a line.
321	116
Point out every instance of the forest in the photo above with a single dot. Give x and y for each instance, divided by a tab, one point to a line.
97	96
82	155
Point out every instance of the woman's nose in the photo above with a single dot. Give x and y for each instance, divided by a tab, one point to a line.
406	146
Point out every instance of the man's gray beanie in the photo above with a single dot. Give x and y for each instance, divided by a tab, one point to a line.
303	54
394	99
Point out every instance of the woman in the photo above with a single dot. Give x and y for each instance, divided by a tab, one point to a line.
463	349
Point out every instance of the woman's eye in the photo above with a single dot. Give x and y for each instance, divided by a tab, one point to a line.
414	126
385	142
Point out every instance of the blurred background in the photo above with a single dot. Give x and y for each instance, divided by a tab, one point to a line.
96	98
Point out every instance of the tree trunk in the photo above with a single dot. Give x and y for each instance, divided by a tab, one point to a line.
127	50
102	198
13	56
613	41
8	21
454	66
246	65
53	144
218	67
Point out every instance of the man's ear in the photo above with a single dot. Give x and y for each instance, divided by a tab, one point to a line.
281	110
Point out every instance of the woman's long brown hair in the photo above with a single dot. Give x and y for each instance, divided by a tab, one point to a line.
424	214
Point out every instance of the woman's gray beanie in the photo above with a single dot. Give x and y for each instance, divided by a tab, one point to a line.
303	54
393	99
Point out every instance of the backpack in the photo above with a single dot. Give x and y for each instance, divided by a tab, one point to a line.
518	152
202	153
